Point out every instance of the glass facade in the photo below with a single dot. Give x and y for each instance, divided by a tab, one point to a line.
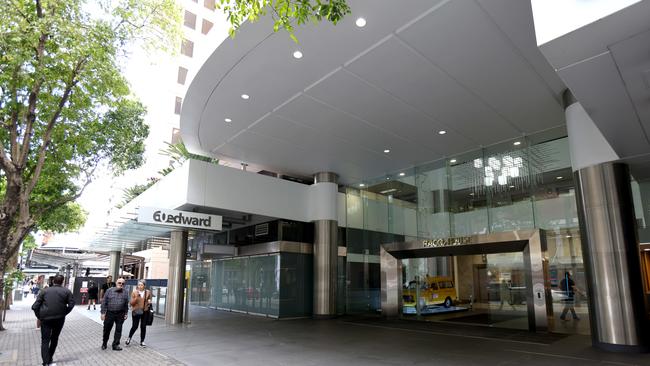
274	285
525	183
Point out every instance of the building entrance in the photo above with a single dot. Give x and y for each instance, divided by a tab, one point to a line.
499	280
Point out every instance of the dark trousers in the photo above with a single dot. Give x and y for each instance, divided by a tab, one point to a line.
50	330
118	319
138	319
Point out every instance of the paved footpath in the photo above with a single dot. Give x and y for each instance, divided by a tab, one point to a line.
79	343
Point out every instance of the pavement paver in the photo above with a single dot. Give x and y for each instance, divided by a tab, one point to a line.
79	343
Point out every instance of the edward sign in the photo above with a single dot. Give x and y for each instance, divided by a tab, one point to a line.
165	217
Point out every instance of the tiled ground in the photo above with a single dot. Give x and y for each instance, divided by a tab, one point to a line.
79	343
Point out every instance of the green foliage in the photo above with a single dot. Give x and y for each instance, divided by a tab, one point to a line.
65	107
177	154
286	13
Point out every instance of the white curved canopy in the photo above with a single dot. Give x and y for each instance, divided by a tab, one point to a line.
470	68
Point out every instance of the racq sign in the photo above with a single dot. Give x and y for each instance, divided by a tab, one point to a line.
165	217
446	242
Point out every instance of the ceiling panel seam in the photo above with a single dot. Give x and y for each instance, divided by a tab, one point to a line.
422	16
462	85
519	52
337	137
629	97
402	101
207	100
351	115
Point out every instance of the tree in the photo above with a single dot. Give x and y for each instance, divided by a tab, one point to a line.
65	108
285	13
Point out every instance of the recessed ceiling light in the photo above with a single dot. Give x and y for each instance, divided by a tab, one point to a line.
442	132
245	96
228	120
361	185
360	22
512	186
558	178
471	194
297	54
517	143
402	174
452	161
386	151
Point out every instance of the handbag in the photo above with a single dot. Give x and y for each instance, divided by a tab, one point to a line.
149	315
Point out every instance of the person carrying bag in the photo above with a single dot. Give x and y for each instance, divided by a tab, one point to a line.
141	312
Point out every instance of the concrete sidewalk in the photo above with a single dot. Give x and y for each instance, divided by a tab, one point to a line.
79	343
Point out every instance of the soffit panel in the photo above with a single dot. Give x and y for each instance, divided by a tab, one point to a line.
348	93
475	53
271	76
632	57
606	101
410	77
513	18
331	122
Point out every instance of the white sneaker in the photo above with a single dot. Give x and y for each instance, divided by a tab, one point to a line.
142	344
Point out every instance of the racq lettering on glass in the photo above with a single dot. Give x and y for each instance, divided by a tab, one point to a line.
180	219
446	242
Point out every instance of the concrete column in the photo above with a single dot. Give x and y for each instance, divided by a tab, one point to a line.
324	211
114	266
176	280
608	236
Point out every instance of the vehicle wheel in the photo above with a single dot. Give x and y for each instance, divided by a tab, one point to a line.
448	302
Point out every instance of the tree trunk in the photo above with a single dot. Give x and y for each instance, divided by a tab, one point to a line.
3	262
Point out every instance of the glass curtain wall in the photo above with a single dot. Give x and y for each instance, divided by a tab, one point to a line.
525	183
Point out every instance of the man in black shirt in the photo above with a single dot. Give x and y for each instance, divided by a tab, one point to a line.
109	283
51	307
115	307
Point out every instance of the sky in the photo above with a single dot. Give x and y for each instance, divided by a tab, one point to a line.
152	78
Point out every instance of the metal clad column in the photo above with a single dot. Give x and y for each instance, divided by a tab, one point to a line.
114	265
535	282
323	211
176	281
391	284
608	236
612	263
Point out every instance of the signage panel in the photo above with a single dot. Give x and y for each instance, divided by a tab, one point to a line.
446	242
175	218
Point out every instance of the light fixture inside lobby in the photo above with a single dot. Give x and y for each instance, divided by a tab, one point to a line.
361	22
442	132
402	174
297	54
386	151
228	120
245	96
452	161
558	178
517	143
361	185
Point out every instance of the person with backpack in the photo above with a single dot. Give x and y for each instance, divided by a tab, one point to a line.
569	287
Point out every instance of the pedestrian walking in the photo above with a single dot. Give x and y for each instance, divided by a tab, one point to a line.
51	307
568	286
115	308
92	294
140	305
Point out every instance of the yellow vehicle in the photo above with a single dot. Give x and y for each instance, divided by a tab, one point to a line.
433	291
